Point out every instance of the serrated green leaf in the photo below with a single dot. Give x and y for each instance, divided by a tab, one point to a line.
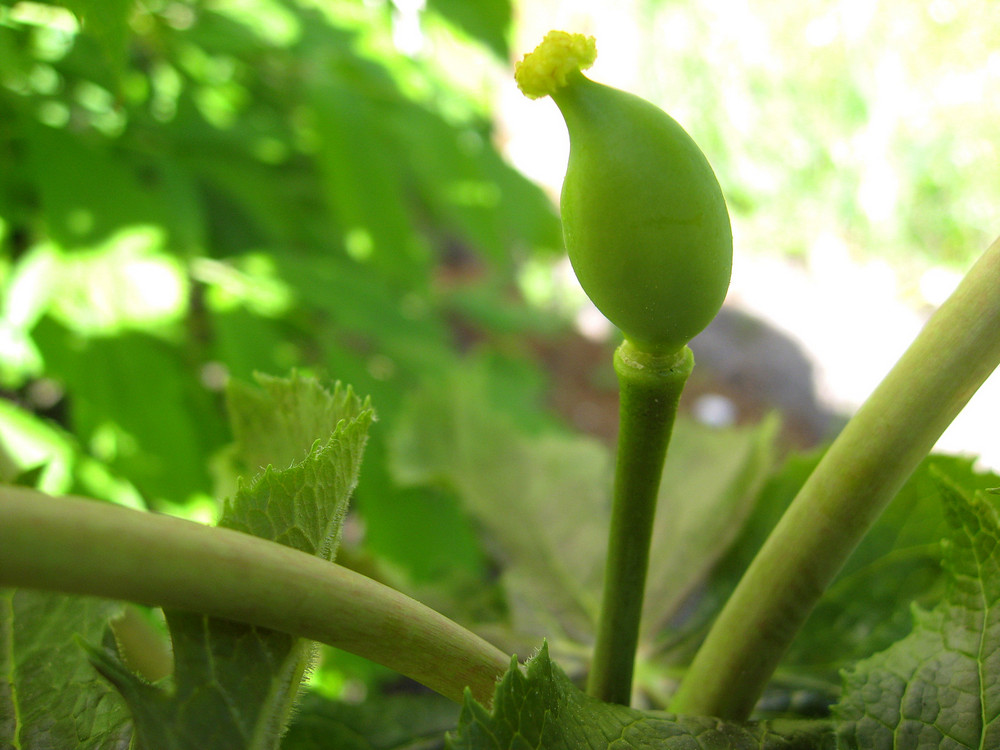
541	708
939	687
50	696
278	421
304	506
234	685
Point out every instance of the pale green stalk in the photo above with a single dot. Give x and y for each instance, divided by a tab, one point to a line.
861	472
143	648
650	386
79	546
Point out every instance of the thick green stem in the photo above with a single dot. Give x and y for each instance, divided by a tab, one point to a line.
79	546
650	387
860	473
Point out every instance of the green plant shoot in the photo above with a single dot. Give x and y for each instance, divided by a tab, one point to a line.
647	231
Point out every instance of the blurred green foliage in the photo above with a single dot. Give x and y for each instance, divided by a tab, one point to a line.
191	190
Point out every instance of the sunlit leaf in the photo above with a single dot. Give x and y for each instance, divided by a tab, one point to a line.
540	708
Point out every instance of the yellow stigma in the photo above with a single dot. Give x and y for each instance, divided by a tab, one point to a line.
543	72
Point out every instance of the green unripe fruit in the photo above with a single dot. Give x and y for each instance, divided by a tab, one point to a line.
644	219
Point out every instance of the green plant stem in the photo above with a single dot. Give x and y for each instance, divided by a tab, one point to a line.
79	546
650	387
860	473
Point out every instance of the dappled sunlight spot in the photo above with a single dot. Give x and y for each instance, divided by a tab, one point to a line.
124	283
591	323
219	105
19	356
100	104
359	243
98	481
552	285
381	367
27	289
52	113
93	97
214	375
251	282
333	684
167	85
108	442
24	297
44	79
80	221
42	15
271	150
269	20
478	193
179	16
407	34
198	507
31	443
219	98
158	285
205	67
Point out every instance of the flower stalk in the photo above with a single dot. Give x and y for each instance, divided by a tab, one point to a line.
650	388
647	231
861	472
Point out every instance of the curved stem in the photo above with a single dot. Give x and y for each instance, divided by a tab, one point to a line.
650	387
80	546
861	472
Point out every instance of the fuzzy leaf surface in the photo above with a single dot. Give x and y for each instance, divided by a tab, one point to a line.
50	696
234	685
541	708
939	687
